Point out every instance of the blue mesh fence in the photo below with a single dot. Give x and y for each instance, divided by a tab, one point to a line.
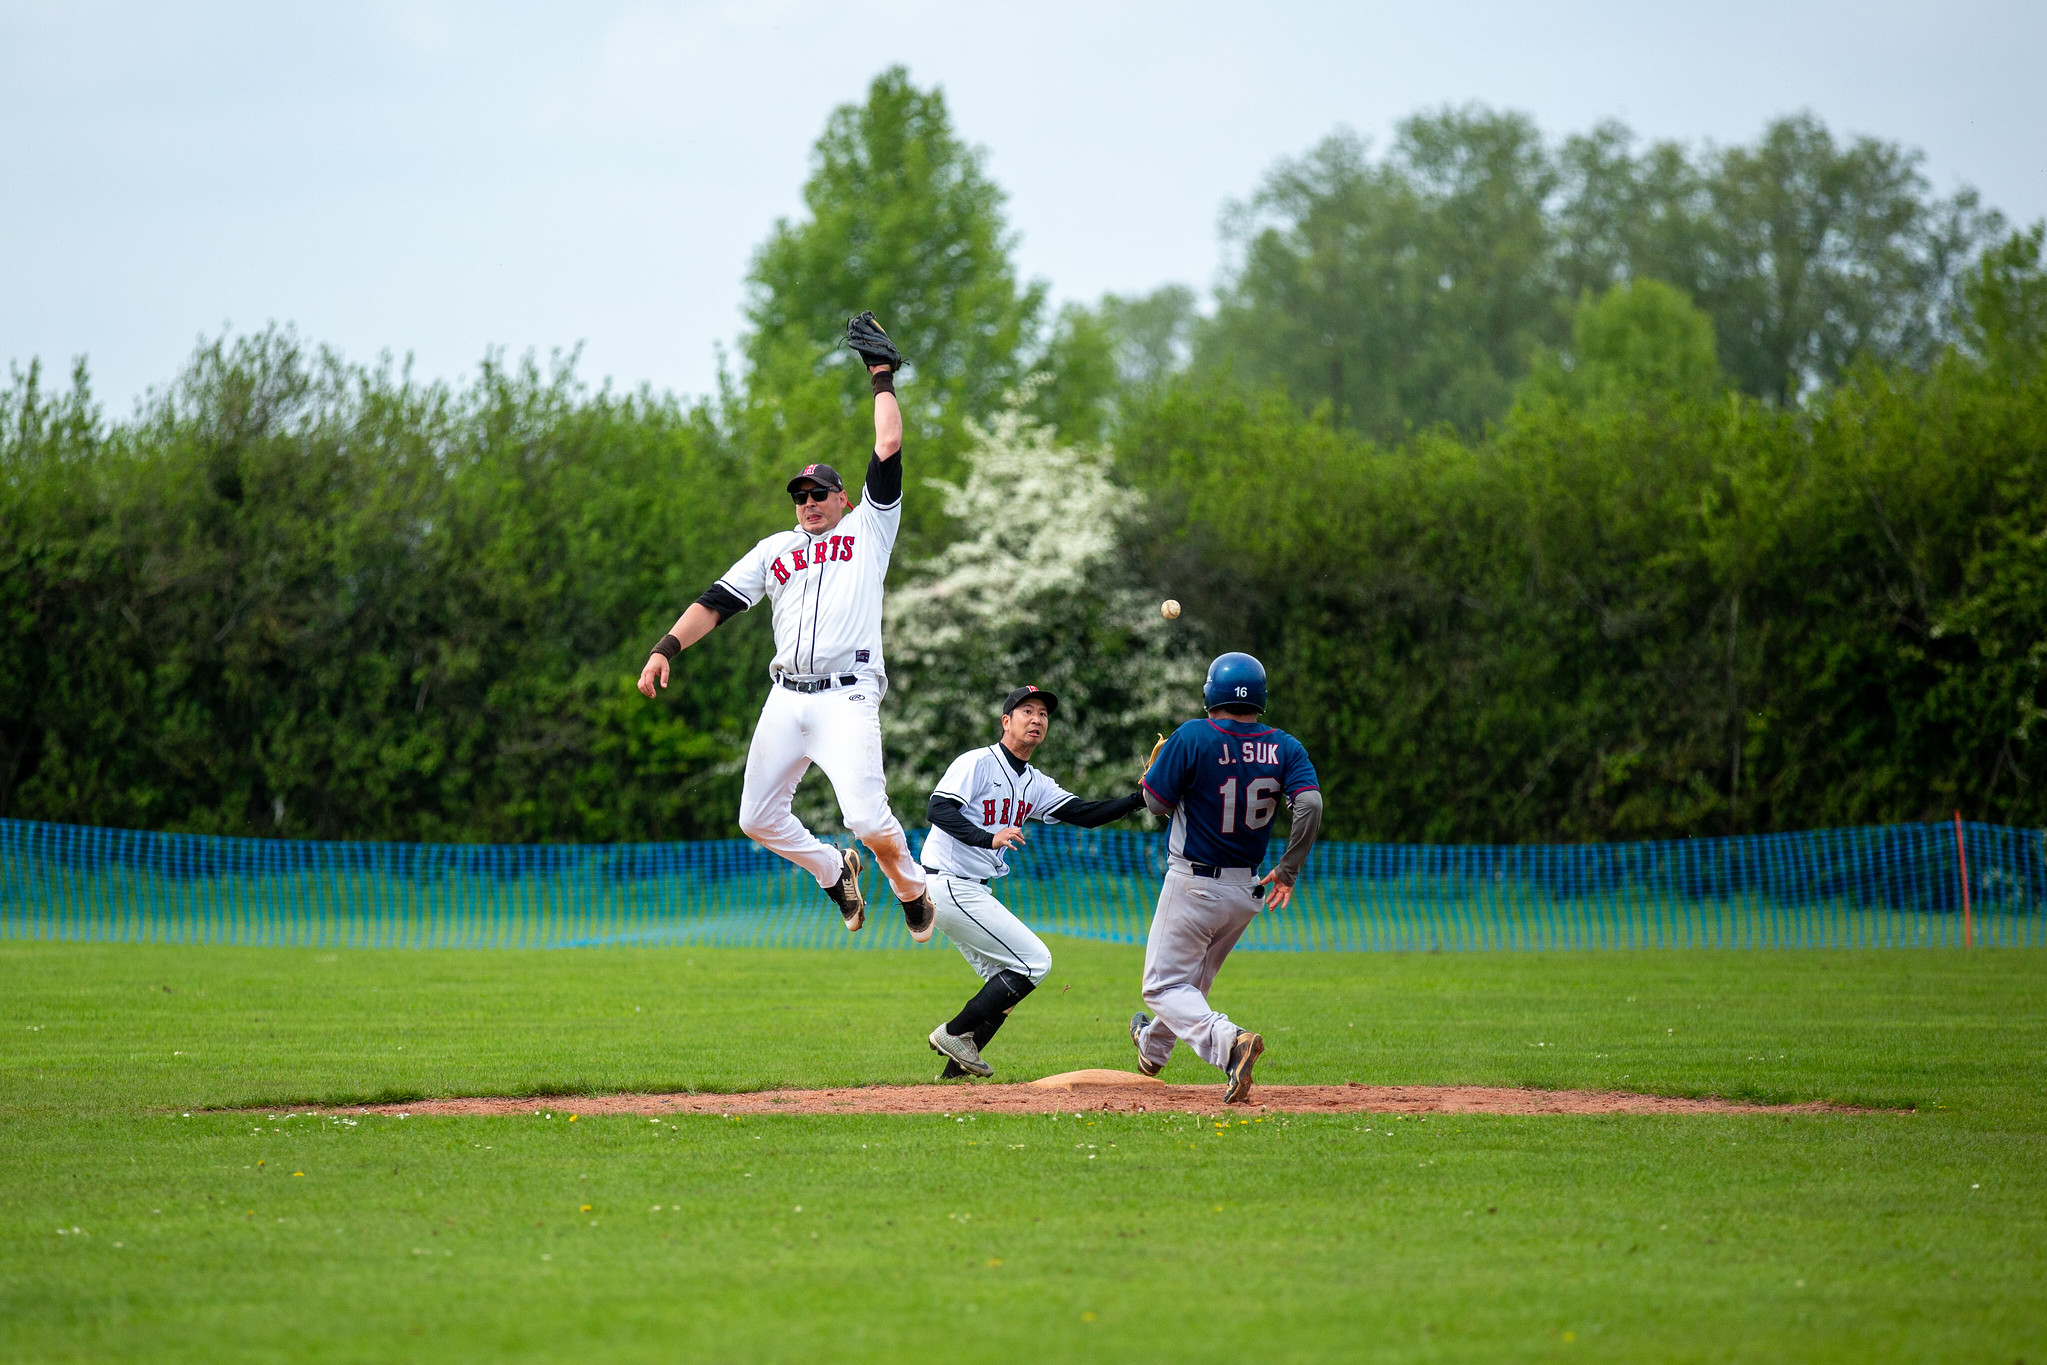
1881	886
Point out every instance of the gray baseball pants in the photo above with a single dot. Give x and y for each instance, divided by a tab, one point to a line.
1199	919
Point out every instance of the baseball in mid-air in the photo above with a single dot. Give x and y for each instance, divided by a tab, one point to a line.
1170	609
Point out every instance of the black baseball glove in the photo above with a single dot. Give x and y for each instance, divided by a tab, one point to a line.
864	335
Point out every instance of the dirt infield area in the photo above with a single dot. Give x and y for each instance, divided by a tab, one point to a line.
1124	1091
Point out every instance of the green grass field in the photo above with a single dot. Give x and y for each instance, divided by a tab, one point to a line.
225	1237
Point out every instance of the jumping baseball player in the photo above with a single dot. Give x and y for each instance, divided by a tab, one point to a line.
1221	780
824	578
977	813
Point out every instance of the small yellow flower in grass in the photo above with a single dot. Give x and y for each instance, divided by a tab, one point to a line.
298	1172
584	1209
994	1261
1570	1336
1087	1317
572	1118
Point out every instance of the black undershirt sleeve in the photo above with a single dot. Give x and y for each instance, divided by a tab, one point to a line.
885	480
722	600
949	814
1091	814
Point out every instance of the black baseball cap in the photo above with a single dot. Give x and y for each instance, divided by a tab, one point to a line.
1029	693
823	475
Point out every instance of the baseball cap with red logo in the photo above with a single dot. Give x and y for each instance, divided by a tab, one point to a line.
823	475
1029	693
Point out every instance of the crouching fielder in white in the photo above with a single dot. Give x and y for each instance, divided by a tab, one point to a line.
977	813
1221	779
824	578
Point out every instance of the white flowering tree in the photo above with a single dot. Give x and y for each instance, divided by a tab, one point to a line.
1035	591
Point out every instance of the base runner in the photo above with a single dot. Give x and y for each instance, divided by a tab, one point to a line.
977	813
1221	780
824	578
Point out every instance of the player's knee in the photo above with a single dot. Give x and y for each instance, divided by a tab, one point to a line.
1036	962
871	822
757	822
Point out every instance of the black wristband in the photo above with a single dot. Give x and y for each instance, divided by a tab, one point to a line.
884	381
667	646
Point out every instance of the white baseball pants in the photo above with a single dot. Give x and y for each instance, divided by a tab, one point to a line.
840	731
1198	921
989	936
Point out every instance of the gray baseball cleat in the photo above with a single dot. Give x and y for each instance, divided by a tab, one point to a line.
960	1048
1244	1054
846	894
921	915
1139	1022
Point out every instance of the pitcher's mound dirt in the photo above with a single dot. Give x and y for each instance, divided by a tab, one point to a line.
1107	1090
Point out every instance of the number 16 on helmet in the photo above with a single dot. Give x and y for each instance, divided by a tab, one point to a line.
1234	680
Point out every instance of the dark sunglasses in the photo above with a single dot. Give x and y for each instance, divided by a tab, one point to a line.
812	494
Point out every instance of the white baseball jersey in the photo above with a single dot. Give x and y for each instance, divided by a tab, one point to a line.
826	590
995	795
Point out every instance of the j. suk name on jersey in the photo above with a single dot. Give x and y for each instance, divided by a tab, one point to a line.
829	550
1253	751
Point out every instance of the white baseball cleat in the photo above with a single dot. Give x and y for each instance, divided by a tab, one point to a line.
960	1047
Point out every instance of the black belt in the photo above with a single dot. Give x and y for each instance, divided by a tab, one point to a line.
819	684
941	872
1206	870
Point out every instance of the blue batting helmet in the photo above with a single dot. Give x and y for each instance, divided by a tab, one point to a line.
1234	680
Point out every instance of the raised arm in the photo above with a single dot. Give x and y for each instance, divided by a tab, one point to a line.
879	354
884	486
888	414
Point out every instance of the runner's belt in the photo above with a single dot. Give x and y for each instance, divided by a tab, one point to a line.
823	684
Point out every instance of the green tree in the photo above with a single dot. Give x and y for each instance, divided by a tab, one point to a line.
1805	252
1400	292
298	597
1635	339
1097	359
1822	253
2004	306
1417	287
902	218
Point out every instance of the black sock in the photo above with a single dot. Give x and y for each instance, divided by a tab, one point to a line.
1000	994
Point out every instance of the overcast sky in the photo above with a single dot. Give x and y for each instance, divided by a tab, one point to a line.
437	179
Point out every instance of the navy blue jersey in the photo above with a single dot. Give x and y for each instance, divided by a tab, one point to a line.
1225	780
